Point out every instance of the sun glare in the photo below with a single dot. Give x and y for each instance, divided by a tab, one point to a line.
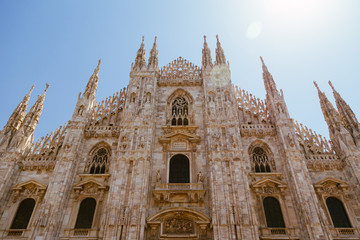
292	11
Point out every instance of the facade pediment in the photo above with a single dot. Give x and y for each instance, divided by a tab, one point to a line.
269	185
30	183
331	181
93	182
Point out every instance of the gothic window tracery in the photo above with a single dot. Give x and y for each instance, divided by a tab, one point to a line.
179	171
86	213
273	214
260	160
23	214
338	213
99	161
180	112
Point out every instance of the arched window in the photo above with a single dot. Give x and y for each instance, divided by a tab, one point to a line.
99	161
86	213
273	214
260	160
179	169
338	213
179	112
23	214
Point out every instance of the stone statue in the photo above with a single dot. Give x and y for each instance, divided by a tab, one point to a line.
158	176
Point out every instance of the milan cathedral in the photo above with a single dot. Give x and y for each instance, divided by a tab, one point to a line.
181	153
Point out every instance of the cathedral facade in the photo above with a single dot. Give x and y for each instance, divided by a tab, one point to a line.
180	154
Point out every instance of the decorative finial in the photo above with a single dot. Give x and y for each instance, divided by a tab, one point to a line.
332	86
317	87
217	38
47	86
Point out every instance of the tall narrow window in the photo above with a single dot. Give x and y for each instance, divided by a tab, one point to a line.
338	213
99	162
179	112
273	214
260	160
179	169
86	213
23	214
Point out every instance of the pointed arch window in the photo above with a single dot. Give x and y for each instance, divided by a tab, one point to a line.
179	169
180	112
260	160
99	161
273	214
338	213
86	213
23	214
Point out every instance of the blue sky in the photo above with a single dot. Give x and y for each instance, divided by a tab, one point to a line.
60	42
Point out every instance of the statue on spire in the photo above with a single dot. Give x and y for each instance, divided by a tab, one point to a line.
153	58
24	137
206	56
140	62
338	133
91	86
270	85
15	121
220	56
347	116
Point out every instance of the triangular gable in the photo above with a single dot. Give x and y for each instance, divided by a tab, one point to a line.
331	180
265	181
23	185
99	184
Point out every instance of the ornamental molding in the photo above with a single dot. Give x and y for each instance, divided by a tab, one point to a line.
331	186
268	186
90	187
28	189
180	72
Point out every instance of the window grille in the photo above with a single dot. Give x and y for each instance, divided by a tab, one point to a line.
99	162
338	213
23	214
86	213
273	214
179	169
260	160
180	111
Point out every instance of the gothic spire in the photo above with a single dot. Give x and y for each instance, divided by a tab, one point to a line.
338	134
17	117
153	58
206	55
347	116
32	117
220	56
91	86
140	63
270	85
330	114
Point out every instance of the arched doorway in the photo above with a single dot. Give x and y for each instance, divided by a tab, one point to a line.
179	169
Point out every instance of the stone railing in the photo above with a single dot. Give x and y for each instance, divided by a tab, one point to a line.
258	130
345	232
80	233
102	131
279	233
322	162
179	192
15	233
37	162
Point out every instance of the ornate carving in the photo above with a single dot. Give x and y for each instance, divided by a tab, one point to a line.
106	112
180	72
268	186
312	142
44	151
251	106
178	225
28	189
331	186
